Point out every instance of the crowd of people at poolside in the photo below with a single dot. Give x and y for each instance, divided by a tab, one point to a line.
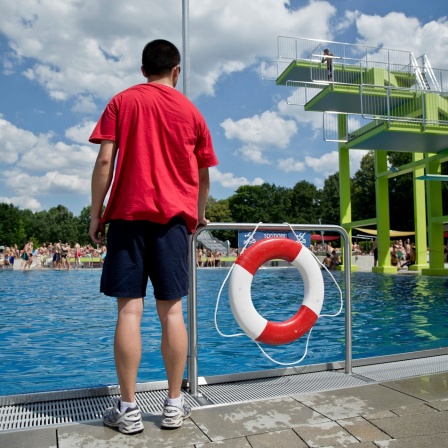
206	258
58	256
61	256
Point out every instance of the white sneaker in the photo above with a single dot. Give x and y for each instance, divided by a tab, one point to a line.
173	417
127	422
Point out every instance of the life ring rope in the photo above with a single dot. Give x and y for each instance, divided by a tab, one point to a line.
243	334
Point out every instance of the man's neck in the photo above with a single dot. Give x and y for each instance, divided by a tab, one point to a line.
164	80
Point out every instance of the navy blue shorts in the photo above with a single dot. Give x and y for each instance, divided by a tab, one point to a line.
138	250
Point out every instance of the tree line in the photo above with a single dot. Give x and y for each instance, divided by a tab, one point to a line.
304	203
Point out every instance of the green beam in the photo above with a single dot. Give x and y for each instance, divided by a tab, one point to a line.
421	242
382	214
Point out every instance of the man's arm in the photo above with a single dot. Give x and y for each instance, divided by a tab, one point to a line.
101	180
204	188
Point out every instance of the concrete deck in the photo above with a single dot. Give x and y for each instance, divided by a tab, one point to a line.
404	413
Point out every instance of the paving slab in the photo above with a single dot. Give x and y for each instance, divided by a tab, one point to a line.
354	445
415	425
425	387
240	442
324	434
245	419
96	435
30	438
414	409
278	439
362	429
356	401
433	441
440	405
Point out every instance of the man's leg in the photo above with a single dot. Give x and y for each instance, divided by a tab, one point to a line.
128	345
174	343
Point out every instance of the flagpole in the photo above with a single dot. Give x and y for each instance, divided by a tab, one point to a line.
185	48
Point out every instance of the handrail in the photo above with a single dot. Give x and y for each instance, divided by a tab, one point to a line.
192	359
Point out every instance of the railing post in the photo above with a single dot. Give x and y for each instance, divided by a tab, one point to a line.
192	358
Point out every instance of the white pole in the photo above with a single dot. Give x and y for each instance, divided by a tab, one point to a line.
185	48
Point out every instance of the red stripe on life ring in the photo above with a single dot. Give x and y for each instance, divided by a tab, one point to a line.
266	250
288	331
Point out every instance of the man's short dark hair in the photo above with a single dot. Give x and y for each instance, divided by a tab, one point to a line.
159	57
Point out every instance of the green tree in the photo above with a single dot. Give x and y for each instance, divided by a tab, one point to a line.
12	229
260	203
363	189
329	210
305	203
401	198
218	211
83	226
62	225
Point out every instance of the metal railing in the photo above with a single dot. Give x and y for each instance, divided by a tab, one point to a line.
356	125
302	48
351	61
396	104
192	361
270	70
300	93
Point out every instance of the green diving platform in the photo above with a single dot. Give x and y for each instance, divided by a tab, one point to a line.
400	137
382	100
312	71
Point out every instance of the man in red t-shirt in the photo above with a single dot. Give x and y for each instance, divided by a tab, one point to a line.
157	149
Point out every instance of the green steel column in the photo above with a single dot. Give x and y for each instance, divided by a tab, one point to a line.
435	227
419	217
344	182
382	215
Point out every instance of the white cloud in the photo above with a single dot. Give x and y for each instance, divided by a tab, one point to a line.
325	165
289	164
84	104
396	30
72	51
81	132
253	154
267	129
311	120
39	166
24	202
260	133
228	180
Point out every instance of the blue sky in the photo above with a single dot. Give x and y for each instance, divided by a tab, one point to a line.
60	62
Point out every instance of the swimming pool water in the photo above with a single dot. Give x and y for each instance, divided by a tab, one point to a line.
56	329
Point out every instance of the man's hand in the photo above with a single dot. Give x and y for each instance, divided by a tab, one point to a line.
96	231
202	222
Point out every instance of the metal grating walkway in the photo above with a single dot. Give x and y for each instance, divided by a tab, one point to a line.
67	407
402	369
259	389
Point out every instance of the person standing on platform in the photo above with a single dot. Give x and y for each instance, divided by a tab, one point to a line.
328	58
157	148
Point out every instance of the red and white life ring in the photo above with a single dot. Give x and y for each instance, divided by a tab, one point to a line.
253	324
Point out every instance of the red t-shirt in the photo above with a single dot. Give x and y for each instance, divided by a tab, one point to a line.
162	142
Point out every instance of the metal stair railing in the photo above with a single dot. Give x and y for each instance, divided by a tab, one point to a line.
429	74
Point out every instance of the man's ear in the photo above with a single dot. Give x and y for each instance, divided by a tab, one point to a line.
143	71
